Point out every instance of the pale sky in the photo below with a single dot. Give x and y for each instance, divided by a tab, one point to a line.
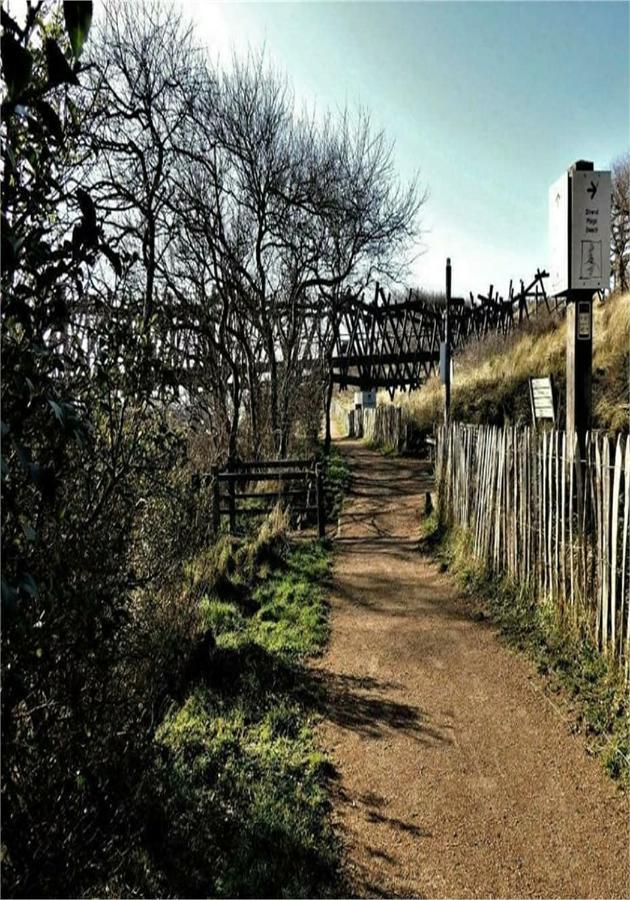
489	101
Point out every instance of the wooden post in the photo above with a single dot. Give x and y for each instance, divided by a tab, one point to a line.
447	348
579	342
579	363
232	497
321	512
216	511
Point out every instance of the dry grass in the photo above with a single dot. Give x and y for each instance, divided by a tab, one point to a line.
491	377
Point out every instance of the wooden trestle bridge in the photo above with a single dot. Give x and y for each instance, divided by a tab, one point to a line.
396	344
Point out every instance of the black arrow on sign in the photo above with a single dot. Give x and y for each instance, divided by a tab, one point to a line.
592	190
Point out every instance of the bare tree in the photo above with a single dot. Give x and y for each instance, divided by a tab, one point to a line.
372	223
620	249
245	226
144	71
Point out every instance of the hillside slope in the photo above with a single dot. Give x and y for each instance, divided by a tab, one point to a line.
491	377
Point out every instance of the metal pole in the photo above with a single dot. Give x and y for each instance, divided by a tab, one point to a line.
447	342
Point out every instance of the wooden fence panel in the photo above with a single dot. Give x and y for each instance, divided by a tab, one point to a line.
624	647
540	512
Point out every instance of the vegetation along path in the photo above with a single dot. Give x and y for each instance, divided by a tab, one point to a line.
457	776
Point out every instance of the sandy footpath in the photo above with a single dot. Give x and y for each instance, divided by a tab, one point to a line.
457	777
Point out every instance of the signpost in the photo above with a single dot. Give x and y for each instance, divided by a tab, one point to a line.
579	230
579	246
445	353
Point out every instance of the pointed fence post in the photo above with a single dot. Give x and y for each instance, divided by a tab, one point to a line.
447	347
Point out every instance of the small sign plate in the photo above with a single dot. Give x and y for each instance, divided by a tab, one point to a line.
541	393
443	364
584	312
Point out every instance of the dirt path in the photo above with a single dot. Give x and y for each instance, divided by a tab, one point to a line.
457	776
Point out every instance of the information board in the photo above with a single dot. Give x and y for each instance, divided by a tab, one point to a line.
590	230
365	399
579	231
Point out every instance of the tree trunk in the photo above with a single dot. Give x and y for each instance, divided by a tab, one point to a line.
253	404
235	417
328	394
328	391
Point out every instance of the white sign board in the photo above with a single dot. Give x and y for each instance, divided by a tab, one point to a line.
365	399
579	259
590	230
559	235
541	394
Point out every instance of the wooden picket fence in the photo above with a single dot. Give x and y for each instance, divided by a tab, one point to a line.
385	425
550	518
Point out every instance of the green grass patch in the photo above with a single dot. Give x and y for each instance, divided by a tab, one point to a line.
287	611
564	655
240	790
249	795
337	481
383	449
293	614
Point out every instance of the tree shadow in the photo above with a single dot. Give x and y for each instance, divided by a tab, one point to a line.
357	703
399	824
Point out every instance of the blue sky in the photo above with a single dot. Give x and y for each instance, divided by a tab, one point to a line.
489	101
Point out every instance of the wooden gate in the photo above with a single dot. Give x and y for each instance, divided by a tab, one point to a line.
295	483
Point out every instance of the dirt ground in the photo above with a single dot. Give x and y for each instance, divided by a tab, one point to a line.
457	775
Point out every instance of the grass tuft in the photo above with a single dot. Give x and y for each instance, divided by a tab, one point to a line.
337	480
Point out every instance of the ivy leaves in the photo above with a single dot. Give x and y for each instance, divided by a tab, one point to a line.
41	268
59	71
17	60
78	18
17	64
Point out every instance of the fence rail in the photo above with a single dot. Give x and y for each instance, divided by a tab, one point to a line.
550	518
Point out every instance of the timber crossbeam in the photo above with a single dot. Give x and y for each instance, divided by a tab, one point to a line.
395	344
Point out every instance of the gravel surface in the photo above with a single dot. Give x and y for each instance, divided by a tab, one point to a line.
457	775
